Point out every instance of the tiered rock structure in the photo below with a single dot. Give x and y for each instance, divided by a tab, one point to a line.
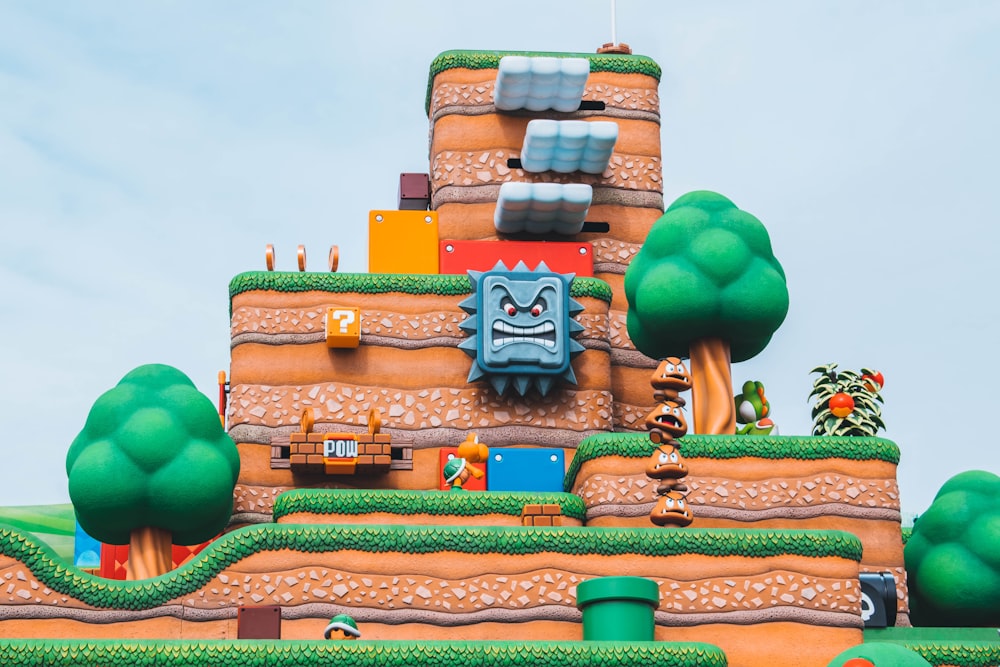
771	560
471	144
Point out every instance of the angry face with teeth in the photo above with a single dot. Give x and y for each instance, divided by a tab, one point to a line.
667	419
522	321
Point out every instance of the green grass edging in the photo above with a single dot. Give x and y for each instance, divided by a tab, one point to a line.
620	63
392	501
384	283
801	447
254	653
966	654
243	542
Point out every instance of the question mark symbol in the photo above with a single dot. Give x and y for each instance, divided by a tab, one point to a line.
345	317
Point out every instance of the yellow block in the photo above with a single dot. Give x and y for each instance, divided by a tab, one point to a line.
403	242
343	327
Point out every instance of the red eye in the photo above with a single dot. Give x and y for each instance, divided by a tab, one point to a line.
510	310
536	310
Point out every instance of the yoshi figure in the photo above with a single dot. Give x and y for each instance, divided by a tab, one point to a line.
753	410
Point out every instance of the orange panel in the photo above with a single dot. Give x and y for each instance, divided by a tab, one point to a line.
402	242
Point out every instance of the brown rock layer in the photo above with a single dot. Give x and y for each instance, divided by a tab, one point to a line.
466	91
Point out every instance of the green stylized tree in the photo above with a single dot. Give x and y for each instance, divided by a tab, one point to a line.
151	467
706	285
953	555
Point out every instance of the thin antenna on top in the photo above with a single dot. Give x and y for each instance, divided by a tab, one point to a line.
613	46
614	31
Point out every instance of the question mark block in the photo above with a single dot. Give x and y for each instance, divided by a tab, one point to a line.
343	327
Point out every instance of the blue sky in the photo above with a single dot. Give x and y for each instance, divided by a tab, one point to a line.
149	151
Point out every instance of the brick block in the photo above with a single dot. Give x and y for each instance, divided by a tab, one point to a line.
365	438
314	459
366	460
551	509
383	460
383	438
543	520
298	437
557	520
317	437
297	459
532	509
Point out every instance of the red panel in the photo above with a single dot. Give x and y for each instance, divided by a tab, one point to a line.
559	256
472	484
114	558
181	554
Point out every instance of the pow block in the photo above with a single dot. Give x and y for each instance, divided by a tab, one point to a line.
343	327
340	453
402	242
537	469
560	256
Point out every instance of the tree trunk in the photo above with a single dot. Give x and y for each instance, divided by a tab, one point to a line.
149	553
712	405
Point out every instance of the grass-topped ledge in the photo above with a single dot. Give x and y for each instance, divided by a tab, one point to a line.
384	283
177	653
233	547
440	503
800	447
619	63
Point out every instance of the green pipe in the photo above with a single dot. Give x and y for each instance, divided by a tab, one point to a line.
618	608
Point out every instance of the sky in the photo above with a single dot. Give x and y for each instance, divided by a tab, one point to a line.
149	152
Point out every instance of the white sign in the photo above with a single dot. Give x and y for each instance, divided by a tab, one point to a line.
340	448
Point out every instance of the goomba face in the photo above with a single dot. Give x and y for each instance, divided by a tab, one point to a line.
669	418
666	462
671	375
671	510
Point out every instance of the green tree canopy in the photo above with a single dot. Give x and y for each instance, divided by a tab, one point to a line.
153	453
953	556
705	271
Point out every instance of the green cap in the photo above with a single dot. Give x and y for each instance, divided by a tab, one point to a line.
452	469
342	622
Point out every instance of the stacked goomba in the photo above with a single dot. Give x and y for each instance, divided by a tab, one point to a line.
666	425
